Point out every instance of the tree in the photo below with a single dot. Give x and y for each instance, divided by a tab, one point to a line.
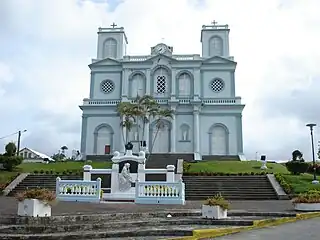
297	155
9	159
63	149
138	113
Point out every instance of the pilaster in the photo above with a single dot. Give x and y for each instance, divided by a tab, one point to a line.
197	83
148	82
239	133
173	83
84	129
173	130
196	128
125	83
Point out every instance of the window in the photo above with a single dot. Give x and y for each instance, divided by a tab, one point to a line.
107	86
29	155
184	84
217	85
137	85
25	154
216	48
110	48
161	84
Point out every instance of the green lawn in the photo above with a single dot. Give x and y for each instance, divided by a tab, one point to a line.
301	183
55	167
235	167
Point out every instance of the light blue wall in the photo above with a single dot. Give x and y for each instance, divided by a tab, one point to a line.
202	72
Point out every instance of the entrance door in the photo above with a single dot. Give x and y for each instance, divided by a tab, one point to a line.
219	141
107	149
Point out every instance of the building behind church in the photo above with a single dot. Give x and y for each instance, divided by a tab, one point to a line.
199	88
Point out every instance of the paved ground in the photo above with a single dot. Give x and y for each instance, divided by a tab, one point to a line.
8	205
301	230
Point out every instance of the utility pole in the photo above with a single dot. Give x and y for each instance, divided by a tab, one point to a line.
19	139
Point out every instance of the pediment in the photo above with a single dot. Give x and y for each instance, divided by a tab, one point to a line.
104	62
161	58
217	59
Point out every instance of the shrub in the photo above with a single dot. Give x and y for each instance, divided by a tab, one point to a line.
312	196
310	169
284	184
297	167
218	200
41	194
186	166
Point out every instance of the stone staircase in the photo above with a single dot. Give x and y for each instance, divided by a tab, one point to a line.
231	187
42	181
161	160
146	225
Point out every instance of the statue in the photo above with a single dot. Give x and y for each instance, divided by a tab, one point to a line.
185	135
125	178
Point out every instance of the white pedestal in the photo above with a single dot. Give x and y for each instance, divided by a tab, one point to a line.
34	208
128	195
213	212
315	182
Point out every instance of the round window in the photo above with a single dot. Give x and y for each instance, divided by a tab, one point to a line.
107	86
217	85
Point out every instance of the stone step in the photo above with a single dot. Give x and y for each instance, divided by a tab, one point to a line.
118	233
112	225
233	197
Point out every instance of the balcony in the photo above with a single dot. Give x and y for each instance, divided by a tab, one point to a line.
181	101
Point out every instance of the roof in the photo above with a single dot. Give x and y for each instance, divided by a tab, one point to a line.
41	155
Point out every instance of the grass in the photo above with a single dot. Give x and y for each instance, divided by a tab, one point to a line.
235	167
301	183
5	176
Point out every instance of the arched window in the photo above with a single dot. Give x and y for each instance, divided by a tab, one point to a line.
184	132
137	85
216	46
184	83
161	80
110	48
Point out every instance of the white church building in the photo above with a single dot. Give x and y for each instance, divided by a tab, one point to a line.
199	88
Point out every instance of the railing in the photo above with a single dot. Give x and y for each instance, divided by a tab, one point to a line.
160	193
78	190
187	57
135	58
100	102
215	101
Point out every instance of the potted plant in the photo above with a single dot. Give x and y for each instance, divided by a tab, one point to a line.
215	207
309	201
35	202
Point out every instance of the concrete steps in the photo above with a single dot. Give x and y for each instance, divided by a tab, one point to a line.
41	181
231	187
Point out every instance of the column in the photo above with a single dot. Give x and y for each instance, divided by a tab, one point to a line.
173	132
125	83
148	83
173	82
124	135
197	82
84	129
239	135
146	135
196	130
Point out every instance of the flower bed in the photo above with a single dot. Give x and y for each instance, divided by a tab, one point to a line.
309	201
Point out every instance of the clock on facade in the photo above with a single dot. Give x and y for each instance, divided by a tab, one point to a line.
161	48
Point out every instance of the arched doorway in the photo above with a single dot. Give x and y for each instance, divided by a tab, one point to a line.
103	140
219	140
160	138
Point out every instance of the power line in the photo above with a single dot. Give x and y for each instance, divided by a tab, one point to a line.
9	135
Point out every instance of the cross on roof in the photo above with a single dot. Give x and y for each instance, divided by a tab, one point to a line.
113	25
214	22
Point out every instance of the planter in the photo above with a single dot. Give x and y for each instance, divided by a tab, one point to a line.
34	208
307	207
213	212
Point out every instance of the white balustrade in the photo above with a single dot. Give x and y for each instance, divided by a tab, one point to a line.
78	190
160	193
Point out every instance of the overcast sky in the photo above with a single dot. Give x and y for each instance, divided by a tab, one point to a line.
46	45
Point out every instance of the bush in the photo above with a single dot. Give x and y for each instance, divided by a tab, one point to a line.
218	200
186	166
204	173
284	184
9	160
41	194
312	196
310	169
297	167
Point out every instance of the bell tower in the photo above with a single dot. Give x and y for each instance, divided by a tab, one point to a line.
215	40
112	42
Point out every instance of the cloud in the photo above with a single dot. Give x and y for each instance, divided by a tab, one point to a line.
48	45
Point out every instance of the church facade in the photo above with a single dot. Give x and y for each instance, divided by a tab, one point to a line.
199	88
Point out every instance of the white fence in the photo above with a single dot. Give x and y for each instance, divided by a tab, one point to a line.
78	190
160	193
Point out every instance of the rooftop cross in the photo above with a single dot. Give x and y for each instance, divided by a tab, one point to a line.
113	25
214	22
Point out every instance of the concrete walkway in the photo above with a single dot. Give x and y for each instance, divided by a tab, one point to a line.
301	230
8	206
